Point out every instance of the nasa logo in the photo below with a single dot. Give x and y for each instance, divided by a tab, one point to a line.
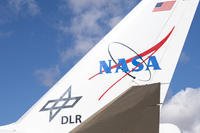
105	66
138	63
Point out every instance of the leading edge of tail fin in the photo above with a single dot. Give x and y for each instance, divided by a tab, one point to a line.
142	49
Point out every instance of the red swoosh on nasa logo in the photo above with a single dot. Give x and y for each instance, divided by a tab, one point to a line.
150	51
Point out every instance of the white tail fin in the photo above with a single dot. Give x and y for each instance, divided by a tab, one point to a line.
142	49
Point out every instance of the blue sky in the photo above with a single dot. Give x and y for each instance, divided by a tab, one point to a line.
41	40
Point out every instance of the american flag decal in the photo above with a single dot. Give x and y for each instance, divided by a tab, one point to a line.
164	6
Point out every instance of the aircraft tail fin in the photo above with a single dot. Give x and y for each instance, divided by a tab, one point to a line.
142	49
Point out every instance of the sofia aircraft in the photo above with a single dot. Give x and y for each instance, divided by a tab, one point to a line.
120	84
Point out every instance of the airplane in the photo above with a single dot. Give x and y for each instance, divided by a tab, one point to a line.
119	86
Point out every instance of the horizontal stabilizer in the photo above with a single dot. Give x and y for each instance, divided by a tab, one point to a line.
135	111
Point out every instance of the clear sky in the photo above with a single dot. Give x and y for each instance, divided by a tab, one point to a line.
41	40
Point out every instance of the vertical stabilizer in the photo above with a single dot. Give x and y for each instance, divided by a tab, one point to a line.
142	49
